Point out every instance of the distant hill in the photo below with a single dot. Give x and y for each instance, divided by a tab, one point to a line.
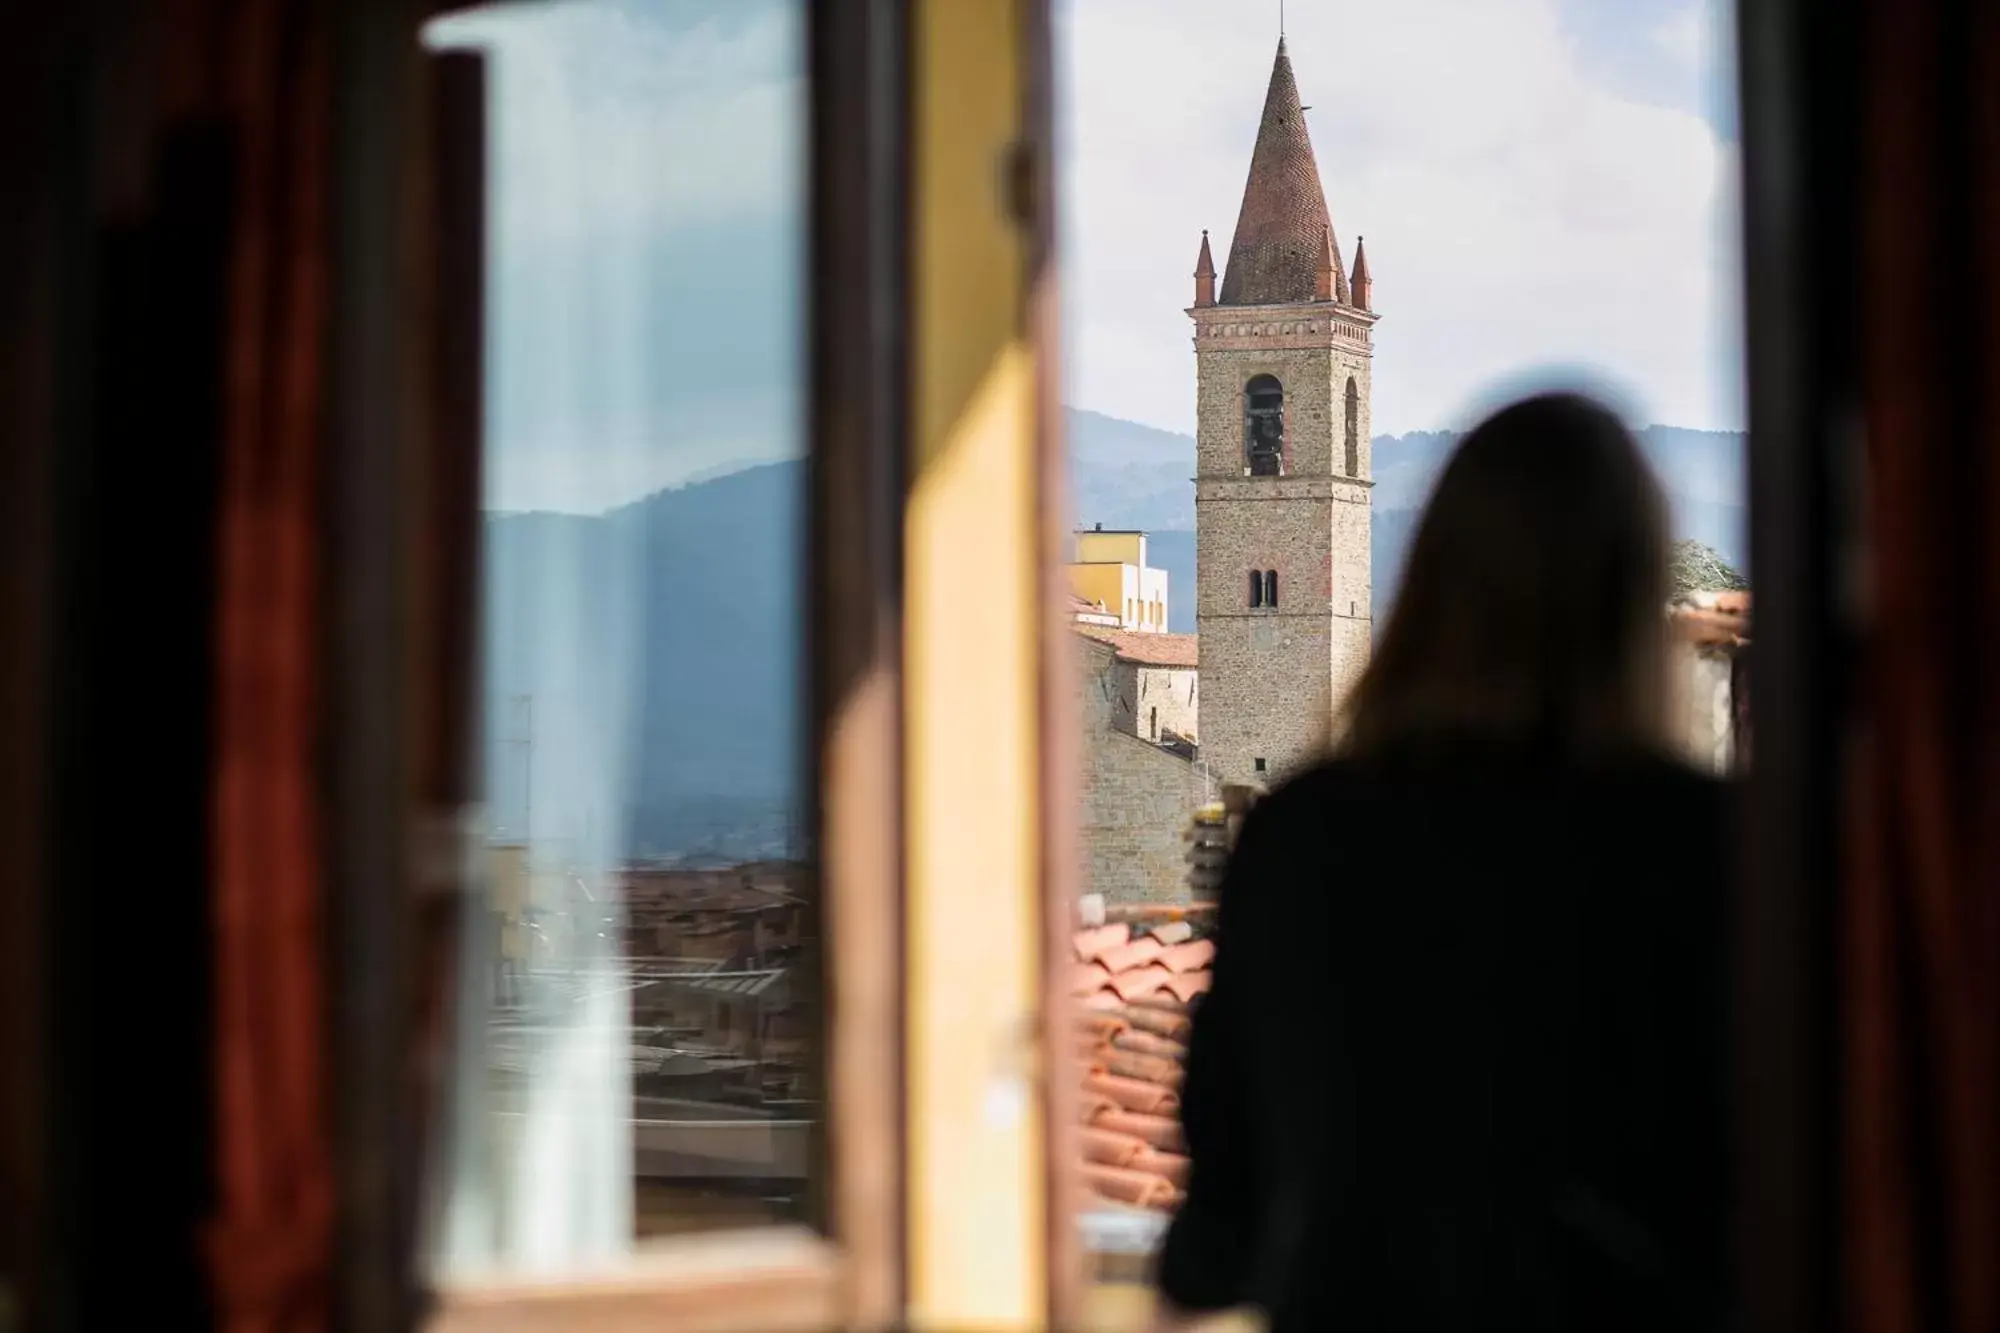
1126	475
698	590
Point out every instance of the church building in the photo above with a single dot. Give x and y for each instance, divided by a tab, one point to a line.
1282	468
1282	493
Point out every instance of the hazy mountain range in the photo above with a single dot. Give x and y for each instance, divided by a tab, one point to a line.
1125	475
643	665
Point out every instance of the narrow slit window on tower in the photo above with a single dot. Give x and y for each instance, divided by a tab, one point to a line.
1353	459
1153	724
1256	587
1270	587
1264	426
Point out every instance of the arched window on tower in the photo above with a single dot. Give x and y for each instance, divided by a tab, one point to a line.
1353	429
1264	426
1270	587
1256	587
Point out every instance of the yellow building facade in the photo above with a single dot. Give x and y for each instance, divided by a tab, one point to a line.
1109	569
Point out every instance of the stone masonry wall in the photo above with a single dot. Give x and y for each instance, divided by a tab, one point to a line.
1137	797
1172	694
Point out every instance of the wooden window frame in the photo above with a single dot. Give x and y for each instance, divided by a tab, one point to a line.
407	362
1795	76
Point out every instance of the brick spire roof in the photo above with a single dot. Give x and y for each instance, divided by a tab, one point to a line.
1283	230
1204	264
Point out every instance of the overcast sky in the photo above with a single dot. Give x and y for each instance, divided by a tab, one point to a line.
1544	184
1548	187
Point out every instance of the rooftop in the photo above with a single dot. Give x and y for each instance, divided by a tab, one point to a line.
1712	621
1136	982
1283	232
1145	649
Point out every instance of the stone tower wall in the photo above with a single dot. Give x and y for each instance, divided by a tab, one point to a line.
1272	677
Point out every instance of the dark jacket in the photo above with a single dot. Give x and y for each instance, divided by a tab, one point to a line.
1463	1064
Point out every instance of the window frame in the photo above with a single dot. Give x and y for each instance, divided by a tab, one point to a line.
408	359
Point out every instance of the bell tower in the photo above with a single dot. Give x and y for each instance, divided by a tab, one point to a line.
1283	472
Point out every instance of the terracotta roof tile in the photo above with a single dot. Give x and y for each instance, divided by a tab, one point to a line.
1714	620
1130	1053
1086	978
1133	1094
1147	1044
1138	1188
1283	229
1108	1147
1092	943
1162	1131
1133	953
1139	983
1192	956
1159	1022
1097	1109
1146	649
1160	1069
1172	1166
1104	1027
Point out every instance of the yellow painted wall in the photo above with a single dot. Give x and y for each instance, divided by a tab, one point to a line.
1100	583
1115	548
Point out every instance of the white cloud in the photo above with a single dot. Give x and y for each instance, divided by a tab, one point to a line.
645	294
1520	215
1682	39
622	118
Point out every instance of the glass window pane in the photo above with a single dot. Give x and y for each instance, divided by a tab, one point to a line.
639	1051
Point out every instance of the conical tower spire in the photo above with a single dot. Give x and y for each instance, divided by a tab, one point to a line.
1283	229
1364	285
1204	274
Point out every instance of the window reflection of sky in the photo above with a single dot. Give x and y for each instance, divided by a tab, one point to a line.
646	213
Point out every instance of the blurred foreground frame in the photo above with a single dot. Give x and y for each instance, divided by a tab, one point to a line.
239	360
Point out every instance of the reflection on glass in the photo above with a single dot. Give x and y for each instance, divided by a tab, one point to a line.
638	1052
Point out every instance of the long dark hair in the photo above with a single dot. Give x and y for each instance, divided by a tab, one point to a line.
1533	603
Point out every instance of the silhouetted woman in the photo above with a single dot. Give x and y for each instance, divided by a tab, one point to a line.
1462	1067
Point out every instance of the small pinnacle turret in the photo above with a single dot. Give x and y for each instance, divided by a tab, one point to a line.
1204	274
1364	285
1327	283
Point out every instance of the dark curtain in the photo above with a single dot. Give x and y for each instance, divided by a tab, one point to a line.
1921	916
257	69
